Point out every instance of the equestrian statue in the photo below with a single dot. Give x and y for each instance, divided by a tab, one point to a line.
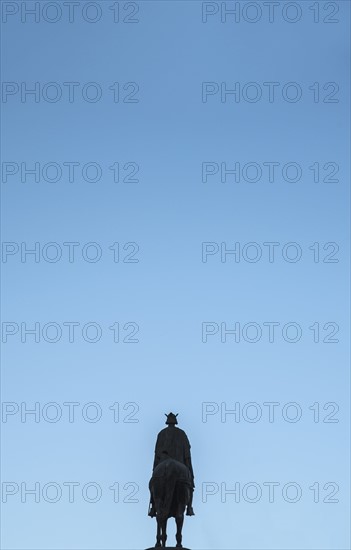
172	483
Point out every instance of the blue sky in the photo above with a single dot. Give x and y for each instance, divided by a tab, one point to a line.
160	131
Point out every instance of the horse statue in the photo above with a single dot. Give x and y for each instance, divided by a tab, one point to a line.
171	488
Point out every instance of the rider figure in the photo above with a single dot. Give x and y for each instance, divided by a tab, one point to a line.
173	443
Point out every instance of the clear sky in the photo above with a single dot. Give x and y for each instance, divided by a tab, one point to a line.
152	128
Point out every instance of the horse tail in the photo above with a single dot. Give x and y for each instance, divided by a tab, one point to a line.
171	487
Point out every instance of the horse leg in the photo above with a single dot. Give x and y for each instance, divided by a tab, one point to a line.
158	536
164	531
179	522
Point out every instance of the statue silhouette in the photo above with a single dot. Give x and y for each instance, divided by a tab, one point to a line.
172	483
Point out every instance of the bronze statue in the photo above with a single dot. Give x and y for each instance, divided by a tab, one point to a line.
172	483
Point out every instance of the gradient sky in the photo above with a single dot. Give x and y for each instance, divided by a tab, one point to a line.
165	135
